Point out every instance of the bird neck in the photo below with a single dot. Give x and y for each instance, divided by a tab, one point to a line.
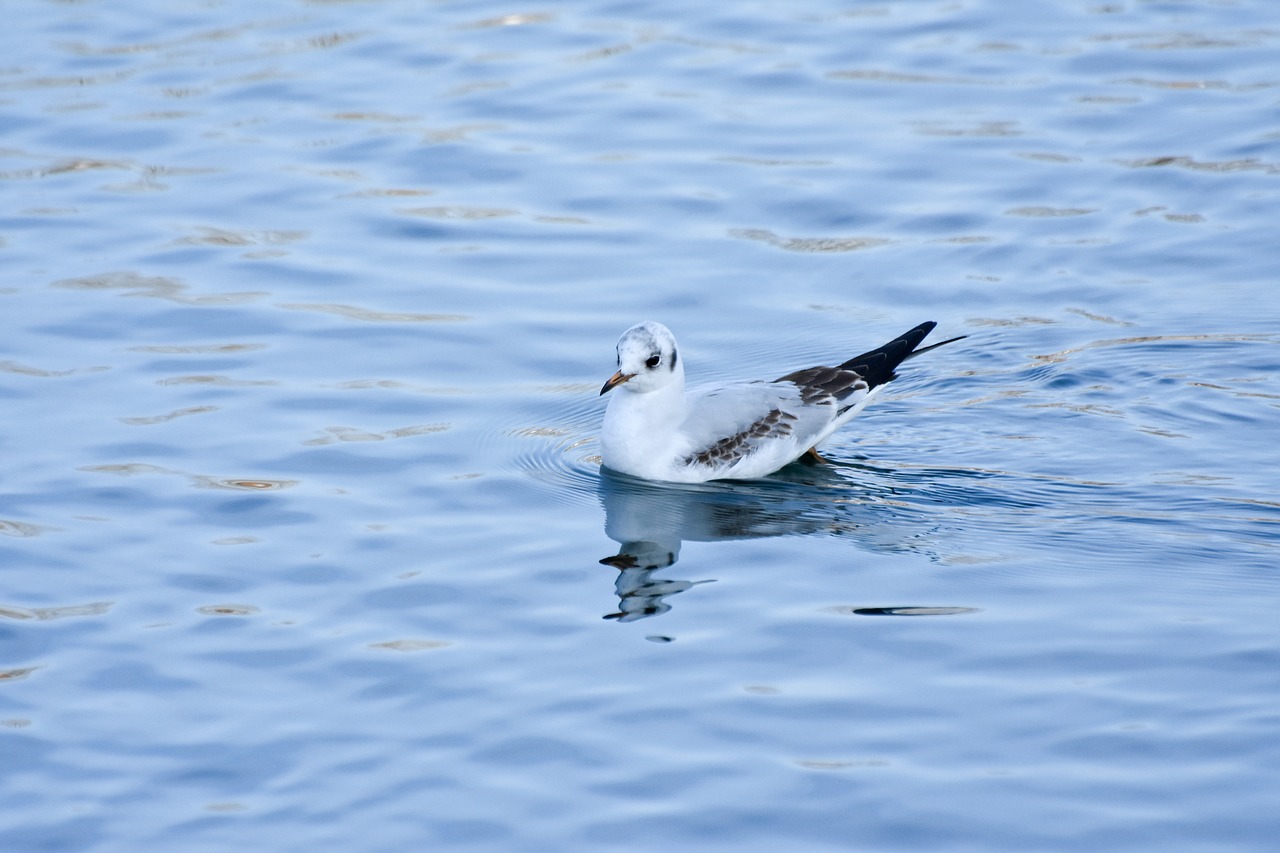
661	406
640	425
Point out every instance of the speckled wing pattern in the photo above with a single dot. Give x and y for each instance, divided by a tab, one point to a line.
826	385
789	416
774	425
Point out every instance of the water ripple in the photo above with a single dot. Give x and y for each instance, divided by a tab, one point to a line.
563	452
391	242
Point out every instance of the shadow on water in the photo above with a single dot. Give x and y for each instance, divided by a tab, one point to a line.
651	521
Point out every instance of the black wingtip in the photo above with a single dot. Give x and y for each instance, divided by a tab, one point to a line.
876	366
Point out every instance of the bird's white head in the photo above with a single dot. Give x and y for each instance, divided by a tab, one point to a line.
647	360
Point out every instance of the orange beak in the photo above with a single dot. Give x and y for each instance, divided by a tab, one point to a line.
616	379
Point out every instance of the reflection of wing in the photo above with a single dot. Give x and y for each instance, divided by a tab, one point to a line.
651	522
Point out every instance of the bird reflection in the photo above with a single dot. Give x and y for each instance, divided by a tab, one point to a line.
639	593
651	521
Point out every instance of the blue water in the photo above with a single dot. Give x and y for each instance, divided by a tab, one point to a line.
304	311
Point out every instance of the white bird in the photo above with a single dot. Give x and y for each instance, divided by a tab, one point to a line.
737	431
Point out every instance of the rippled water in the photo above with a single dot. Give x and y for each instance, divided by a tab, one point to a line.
305	540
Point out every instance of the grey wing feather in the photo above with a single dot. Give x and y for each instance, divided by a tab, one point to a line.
773	424
826	384
729	423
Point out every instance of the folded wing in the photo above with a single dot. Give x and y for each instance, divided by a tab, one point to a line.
779	420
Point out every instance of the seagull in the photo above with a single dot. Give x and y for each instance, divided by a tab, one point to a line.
654	430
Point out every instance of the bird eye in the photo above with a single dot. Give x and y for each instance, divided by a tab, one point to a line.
652	361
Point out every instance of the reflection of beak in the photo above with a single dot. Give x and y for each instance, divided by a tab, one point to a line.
616	379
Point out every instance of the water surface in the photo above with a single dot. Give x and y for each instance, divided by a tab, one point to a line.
306	306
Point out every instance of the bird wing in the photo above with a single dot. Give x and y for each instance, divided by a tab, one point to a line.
840	387
730	423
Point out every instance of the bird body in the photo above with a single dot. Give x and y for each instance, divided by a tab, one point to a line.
655	430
